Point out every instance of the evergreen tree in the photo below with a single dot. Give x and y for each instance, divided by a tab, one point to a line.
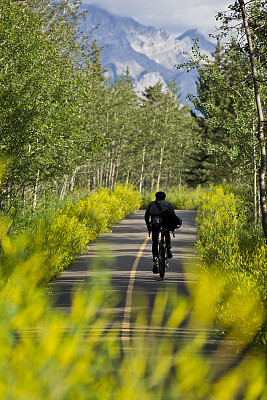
96	62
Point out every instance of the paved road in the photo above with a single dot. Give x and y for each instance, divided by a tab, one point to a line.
131	270
124	244
130	266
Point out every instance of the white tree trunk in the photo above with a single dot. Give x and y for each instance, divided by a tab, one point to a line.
142	170
160	165
72	180
64	187
36	189
255	178
261	137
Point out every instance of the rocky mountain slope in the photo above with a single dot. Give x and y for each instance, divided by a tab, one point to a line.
150	53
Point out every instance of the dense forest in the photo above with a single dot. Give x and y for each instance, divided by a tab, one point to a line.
64	125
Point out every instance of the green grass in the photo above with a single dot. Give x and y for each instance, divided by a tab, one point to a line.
62	233
79	355
76	356
181	199
230	246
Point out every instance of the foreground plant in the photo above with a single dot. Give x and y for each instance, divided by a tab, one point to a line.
231	248
60	239
46	354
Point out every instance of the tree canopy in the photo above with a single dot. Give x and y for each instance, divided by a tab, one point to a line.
65	125
231	97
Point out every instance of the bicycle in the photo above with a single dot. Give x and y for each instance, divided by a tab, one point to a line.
163	256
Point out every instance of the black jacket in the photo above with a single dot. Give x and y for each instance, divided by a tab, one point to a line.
154	211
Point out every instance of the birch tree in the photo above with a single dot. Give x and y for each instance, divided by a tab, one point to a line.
43	89
231	93
258	99
253	28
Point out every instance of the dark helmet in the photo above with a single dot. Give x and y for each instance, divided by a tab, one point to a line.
160	195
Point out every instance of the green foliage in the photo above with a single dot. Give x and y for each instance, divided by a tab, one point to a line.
103	208
169	136
149	141
230	246
226	240
228	148
44	87
64	125
182	199
225	100
46	354
187	198
78	225
50	355
68	233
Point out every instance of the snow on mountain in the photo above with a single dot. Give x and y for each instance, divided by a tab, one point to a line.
150	53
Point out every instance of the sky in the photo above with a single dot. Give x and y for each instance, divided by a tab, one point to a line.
176	16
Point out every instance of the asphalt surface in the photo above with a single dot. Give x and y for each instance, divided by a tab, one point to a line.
123	245
126	254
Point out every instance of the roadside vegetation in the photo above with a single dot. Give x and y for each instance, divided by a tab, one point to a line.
229	245
63	234
233	249
182	198
66	129
49	355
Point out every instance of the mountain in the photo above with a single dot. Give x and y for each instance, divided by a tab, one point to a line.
150	53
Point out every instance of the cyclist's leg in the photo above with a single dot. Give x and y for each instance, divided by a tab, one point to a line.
155	238
168	239
168	244
155	249
162	256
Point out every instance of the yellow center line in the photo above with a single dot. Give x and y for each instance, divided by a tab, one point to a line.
129	296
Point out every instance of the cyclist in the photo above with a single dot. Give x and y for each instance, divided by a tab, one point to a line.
153	221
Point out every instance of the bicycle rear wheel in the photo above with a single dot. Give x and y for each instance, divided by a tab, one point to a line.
162	260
